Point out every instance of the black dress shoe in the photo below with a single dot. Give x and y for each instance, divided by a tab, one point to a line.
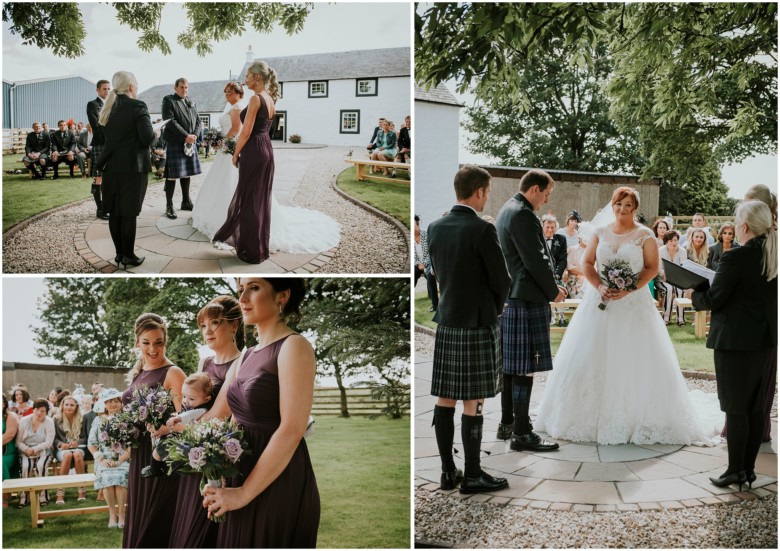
452	479
169	212
504	431
432	309
132	261
750	477
187	205
102	215
531	442
729	479
483	483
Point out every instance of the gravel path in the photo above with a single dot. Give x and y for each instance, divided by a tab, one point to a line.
447	521
368	243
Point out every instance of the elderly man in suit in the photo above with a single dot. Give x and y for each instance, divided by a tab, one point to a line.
525	324
97	144
63	148
558	252
181	152
474	281
36	151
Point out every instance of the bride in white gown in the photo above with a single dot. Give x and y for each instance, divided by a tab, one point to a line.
293	229
616	378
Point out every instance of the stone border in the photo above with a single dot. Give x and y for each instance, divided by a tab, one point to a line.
732	498
373	210
19	226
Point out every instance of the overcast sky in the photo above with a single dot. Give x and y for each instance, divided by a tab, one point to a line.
110	46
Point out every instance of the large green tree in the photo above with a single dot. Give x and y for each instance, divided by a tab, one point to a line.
89	321
59	26
687	77
362	327
567	125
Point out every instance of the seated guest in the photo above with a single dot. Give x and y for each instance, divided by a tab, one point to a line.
372	142
699	222
21	404
157	150
672	252
88	416
70	440
47	129
36	151
725	243
660	227
405	142
60	397
83	149
698	251
387	146
63	149
97	389
34	441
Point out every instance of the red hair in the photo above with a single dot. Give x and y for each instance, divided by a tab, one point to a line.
623	192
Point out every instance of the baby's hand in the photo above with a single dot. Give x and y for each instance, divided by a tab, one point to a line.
172	421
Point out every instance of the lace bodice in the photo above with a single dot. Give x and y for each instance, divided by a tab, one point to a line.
626	247
224	119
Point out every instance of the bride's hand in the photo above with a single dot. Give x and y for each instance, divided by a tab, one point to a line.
615	294
235	160
604	293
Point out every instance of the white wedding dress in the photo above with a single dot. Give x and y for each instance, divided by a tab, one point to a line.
293	229
616	378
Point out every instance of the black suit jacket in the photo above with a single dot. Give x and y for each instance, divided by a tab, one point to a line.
404	139
128	135
34	145
93	114
560	255
471	271
63	142
742	301
522	240
185	120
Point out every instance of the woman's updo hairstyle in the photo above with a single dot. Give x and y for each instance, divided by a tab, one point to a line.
146	322
236	87
120	84
297	287
268	75
227	308
623	192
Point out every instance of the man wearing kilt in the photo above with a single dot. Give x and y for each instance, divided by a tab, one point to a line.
466	257
181	152
525	324
98	143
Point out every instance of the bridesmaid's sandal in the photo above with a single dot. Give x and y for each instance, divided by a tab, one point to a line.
60	497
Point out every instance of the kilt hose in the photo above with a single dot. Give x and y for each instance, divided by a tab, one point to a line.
179	165
525	337
467	363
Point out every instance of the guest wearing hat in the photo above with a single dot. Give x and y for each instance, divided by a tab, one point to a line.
111	468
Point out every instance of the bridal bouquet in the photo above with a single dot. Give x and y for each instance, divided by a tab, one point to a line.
618	275
229	146
212	448
120	431
213	137
153	406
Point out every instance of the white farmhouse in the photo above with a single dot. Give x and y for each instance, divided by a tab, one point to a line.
436	129
331	98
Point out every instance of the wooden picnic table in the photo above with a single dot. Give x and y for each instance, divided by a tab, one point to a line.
699	317
35	485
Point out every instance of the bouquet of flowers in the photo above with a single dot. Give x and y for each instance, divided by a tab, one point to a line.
213	137
229	146
212	448
120	431
153	406
618	275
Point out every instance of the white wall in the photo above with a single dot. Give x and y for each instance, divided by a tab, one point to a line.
435	146
318	120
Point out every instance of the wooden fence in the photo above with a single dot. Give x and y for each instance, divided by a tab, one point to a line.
682	223
14	140
327	401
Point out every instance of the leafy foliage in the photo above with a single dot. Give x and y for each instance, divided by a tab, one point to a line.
59	26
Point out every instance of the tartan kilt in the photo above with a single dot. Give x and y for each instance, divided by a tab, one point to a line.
179	165
525	332
467	363
94	154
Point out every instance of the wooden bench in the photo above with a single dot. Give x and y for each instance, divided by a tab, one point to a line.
87	163
699	317
38	484
569	303
362	173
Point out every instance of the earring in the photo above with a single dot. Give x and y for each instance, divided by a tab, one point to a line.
281	313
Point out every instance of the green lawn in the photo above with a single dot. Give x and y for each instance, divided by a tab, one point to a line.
363	474
390	197
23	197
691	352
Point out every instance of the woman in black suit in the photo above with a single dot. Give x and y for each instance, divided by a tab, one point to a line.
743	301
125	163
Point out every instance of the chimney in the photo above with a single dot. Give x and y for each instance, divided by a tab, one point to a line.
250	56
